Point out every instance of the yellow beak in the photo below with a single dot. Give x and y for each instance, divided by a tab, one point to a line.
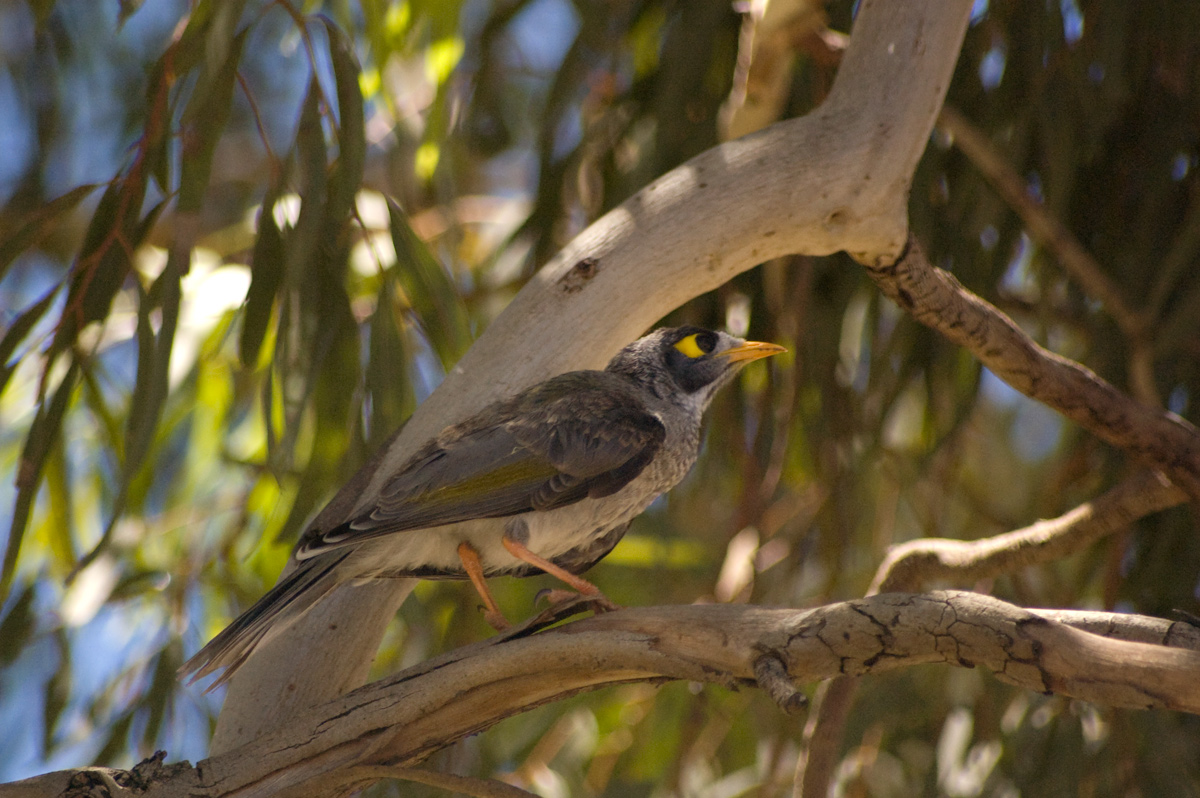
751	350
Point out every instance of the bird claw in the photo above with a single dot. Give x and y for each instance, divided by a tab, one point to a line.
495	619
555	597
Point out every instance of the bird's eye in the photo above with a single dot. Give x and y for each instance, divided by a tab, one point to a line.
697	344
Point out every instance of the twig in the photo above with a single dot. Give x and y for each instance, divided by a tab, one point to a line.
771	674
915	565
477	788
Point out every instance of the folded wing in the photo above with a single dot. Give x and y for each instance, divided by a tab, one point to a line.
583	434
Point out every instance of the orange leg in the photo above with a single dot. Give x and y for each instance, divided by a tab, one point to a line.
578	583
474	569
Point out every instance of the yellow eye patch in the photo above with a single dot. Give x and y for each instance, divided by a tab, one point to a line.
689	347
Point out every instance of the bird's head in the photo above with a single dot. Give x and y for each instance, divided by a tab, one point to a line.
688	364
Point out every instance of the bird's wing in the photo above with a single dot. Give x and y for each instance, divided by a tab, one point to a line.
560	442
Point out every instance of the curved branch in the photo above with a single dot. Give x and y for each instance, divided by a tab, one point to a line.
1158	438
399	720
919	563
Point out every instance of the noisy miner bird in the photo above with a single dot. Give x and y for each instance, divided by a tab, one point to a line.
546	481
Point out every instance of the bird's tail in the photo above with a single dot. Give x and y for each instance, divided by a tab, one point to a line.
282	606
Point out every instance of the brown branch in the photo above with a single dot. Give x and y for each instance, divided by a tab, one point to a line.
398	721
935	298
926	561
403	718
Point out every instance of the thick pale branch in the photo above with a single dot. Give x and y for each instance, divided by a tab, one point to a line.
920	563
399	720
1158	438
835	179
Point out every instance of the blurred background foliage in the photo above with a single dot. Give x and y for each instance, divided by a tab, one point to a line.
241	240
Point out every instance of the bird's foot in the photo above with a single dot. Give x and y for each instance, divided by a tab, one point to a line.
495	619
597	601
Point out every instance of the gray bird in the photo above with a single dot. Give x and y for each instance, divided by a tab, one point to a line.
546	481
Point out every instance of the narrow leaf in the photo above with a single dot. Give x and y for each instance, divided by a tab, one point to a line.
204	121
266	277
45	427
38	223
17	627
18	330
352	142
388	384
433	295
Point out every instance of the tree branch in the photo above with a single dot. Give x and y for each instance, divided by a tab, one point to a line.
925	561
1158	438
400	720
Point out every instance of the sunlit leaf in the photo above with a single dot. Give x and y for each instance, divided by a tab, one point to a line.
426	160
59	521
442	57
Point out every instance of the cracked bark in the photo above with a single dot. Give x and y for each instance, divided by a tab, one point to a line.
398	720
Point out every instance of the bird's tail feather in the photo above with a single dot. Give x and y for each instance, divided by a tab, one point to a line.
280	607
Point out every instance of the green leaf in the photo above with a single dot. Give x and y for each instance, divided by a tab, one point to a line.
161	690
430	290
58	691
267	265
352	141
203	122
388	384
45	427
57	523
17	332
18	626
150	389
38	223
117	740
128	9
208	41
41	10
104	259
